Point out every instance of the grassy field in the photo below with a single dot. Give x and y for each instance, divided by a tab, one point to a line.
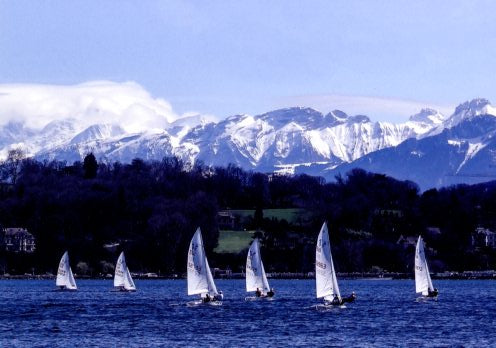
291	215
233	241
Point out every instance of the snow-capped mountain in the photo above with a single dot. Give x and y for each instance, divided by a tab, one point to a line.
460	150
286	140
280	140
428	117
464	111
98	132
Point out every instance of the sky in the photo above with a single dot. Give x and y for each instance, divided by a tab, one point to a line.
386	59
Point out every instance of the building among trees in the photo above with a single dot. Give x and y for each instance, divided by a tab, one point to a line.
16	239
483	237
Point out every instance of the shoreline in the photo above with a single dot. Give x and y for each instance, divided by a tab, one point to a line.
467	275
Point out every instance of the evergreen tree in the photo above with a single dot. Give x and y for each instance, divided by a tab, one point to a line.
90	166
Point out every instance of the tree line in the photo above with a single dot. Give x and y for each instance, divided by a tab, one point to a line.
150	210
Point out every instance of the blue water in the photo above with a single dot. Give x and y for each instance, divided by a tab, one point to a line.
386	314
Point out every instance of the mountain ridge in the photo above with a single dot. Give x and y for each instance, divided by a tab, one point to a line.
289	140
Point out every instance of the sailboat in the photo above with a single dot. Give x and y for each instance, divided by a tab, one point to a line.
325	274
122	277
200	280
256	279
65	278
423	282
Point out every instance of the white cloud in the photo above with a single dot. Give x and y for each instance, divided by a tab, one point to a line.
379	109
127	104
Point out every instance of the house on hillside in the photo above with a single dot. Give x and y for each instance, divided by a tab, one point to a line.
17	239
483	237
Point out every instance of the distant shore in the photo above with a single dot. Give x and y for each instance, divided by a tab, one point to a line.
490	274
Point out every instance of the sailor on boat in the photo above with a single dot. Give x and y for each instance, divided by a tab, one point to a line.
432	293
258	293
256	278
219	296
423	281
350	298
336	301
122	278
325	274
65	278
200	280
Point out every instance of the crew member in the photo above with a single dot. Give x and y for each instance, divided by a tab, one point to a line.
258	293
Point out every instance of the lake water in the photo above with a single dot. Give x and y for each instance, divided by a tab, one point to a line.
386	313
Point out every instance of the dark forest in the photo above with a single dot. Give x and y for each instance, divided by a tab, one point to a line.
151	209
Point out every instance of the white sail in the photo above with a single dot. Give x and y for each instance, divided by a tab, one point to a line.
65	278
325	275
265	282
212	289
423	282
255	272
122	277
200	280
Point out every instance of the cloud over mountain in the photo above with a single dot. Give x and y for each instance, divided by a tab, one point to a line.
127	104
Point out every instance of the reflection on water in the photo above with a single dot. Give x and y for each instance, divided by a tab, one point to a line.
386	313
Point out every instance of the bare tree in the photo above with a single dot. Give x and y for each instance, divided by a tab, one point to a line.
11	167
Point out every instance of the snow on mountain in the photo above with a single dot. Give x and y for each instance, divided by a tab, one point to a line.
98	131
464	153
292	137
426	149
54	134
14	132
470	109
147	146
428	117
464	111
285	138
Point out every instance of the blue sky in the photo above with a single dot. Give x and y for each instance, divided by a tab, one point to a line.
227	57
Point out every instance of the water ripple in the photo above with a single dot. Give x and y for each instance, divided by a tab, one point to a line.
385	314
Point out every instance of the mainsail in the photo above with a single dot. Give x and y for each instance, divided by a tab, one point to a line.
255	272
325	275
122	276
423	282
200	280
65	278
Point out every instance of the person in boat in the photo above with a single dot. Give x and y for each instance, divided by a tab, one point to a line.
350	298
258	293
336	301
432	293
219	296
270	293
206	299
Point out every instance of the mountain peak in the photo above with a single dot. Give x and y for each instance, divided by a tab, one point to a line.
358	119
470	109
291	112
300	115
473	107
336	117
338	114
427	116
97	132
